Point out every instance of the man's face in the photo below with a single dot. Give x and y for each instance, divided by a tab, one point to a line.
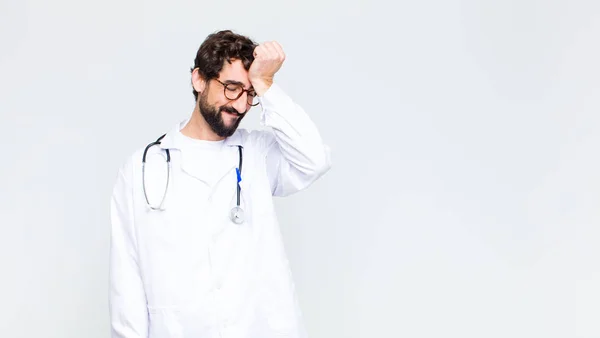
221	114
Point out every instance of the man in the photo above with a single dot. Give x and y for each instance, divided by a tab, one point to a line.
196	250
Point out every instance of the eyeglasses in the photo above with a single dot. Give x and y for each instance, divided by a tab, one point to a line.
234	91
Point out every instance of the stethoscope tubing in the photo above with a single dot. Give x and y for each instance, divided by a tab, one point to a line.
168	153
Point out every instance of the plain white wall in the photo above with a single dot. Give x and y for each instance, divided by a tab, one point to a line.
464	198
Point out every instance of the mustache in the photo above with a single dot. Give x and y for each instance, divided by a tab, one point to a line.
231	110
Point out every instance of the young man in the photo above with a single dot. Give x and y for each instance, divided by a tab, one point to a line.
195	244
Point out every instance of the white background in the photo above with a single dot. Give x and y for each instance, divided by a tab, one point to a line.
464	200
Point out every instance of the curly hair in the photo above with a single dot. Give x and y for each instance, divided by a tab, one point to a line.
219	47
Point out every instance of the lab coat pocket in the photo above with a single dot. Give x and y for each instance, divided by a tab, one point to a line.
164	323
254	205
223	199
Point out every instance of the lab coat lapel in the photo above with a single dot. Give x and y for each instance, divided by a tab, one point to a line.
228	159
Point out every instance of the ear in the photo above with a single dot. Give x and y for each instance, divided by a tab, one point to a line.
197	81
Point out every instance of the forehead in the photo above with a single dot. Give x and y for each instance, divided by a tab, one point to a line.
234	71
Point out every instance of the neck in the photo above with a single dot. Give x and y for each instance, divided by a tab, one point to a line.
197	128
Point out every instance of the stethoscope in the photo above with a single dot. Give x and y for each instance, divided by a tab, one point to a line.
236	214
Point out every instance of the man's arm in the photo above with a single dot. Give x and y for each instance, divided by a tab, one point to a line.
296	155
128	311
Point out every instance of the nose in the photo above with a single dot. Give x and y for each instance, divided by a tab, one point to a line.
241	104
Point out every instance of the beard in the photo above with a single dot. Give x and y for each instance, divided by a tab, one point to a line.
214	117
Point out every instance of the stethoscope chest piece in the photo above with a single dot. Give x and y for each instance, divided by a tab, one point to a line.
237	215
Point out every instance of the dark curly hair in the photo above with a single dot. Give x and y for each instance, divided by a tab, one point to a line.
219	47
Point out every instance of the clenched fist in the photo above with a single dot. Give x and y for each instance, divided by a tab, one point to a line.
268	58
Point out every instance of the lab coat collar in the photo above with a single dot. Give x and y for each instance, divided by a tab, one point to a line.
170	139
210	175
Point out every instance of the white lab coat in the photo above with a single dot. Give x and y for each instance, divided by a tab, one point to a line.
188	271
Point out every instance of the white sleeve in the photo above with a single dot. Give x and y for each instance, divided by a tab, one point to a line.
296	155
128	311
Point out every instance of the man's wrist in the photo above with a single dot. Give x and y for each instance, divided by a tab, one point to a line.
261	86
